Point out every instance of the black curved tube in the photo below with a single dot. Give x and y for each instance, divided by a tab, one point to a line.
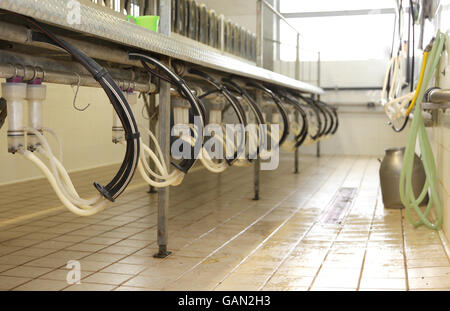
3	112
337	121
184	90
334	115
255	108
240	113
126	172
330	114
235	104
325	116
280	107
318	111
241	91
300	138
401	128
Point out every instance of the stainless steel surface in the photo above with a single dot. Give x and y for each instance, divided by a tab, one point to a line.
164	138
228	36
103	23
203	24
438	96
390	170
221	32
433	106
242	41
235	31
212	28
180	22
192	20
340	13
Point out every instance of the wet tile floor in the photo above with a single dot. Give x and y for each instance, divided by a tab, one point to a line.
221	239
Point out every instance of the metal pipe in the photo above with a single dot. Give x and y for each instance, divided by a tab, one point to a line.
66	78
23	35
297	76
438	96
66	72
259	95
221	31
257	162
318	97
164	138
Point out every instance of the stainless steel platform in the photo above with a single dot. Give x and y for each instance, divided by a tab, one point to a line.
108	25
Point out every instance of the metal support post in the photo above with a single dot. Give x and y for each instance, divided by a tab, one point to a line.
153	119
297	76
318	97
164	138
259	62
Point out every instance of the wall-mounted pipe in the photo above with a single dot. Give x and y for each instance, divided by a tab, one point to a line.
66	72
436	96
67	78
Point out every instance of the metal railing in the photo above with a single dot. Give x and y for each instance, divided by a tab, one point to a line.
303	70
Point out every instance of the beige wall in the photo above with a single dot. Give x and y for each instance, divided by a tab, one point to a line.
441	130
442	155
86	135
441	146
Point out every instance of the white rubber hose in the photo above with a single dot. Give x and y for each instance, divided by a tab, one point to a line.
64	187
74	209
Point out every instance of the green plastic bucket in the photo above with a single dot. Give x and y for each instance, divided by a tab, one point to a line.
148	21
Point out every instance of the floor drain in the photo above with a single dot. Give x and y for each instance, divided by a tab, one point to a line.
340	203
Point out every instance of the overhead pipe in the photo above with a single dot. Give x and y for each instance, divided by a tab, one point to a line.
67	78
23	35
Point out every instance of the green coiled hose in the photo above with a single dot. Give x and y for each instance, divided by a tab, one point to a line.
417	130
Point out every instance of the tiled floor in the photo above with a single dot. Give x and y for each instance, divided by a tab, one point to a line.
220	238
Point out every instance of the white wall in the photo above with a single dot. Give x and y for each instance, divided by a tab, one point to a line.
362	131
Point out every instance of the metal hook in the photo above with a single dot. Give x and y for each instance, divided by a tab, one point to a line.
76	95
34	74
43	73
16	70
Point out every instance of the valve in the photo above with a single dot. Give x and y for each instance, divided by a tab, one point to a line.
36	94
15	92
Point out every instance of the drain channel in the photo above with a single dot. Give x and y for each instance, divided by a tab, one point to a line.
340	203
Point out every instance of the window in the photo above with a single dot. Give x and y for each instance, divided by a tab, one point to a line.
294	6
338	38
